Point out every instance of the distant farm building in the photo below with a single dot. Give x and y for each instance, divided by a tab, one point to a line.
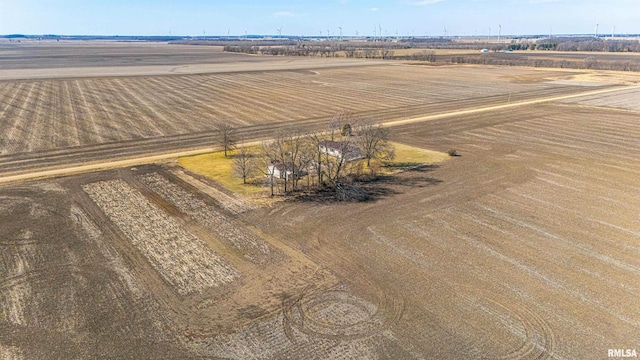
279	170
340	149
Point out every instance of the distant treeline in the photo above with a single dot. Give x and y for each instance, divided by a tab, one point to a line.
322	49
590	62
588	44
424	51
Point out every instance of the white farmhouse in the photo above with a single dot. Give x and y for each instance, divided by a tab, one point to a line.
281	171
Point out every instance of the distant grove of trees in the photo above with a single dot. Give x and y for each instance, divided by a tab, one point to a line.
323	50
588	44
385	50
424	51
590	62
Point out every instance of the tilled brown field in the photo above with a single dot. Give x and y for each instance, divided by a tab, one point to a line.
40	115
625	100
524	247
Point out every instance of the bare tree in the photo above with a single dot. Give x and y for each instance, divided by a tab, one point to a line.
313	141
337	123
293	141
286	152
268	156
225	137
335	163
374	142
244	164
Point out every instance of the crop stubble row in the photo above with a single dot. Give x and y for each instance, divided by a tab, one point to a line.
182	259
253	247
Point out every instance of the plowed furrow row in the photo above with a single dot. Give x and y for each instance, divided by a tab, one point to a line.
152	119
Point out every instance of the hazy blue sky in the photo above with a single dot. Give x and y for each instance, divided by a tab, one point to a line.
420	17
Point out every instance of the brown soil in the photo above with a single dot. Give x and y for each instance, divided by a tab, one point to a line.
523	247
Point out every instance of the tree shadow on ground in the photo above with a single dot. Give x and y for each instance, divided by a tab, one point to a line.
372	188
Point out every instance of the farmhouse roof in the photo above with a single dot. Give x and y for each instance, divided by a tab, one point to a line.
281	166
337	145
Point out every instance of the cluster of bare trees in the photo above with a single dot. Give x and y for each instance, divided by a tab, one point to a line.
589	43
369	53
590	62
424	55
333	158
329	49
245	49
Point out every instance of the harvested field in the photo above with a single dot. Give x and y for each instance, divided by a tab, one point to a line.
53	54
53	114
526	248
88	114
523	247
184	261
626	100
253	247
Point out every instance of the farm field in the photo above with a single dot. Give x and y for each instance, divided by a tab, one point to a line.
625	100
50	54
523	247
47	123
52	114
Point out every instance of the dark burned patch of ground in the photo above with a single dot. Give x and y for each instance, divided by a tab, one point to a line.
371	188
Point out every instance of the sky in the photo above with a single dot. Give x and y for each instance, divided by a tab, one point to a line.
354	17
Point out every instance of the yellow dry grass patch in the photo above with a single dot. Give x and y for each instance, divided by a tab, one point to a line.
220	169
412	154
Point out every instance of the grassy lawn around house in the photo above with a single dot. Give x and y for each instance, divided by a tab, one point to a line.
216	167
220	169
